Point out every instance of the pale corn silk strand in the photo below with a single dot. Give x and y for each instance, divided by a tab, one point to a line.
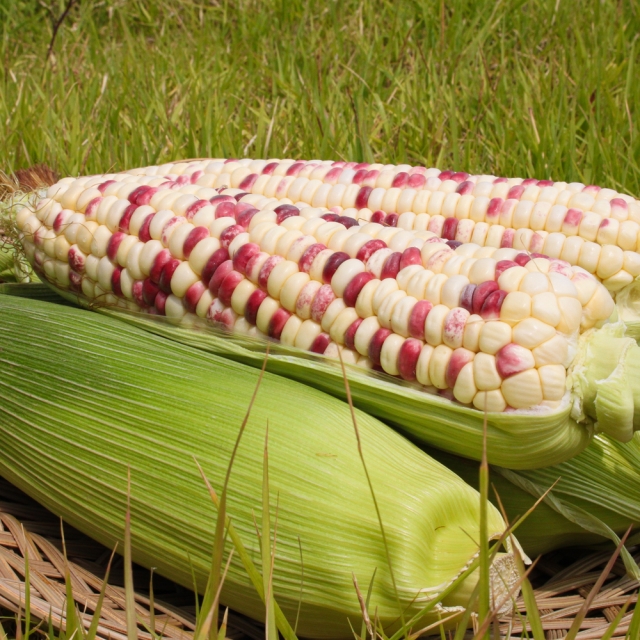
85	397
493	333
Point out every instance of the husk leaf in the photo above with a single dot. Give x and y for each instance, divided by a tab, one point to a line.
596	498
84	398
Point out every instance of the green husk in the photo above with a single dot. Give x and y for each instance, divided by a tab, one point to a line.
628	308
33	290
85	398
596	496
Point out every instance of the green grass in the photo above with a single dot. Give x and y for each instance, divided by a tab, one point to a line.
544	88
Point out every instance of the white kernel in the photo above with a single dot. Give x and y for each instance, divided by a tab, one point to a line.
343	321
434	324
105	272
531	332
389	354
493	336
438	365
571	312
553	351
278	277
290	331
553	381
365	333
364	302
490	401
423	365
523	390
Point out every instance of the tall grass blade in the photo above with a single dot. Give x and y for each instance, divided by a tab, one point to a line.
222	633
366	621
484	593
434	625
532	611
634	628
442	636
256	579
50	630
373	495
73	628
129	588
483	629
92	632
463	625
265	543
206	628
366	604
19	633
473	566
611	629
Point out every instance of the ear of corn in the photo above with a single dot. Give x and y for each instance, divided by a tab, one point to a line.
494	335
85	398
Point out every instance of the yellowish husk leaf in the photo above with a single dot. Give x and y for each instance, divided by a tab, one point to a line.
86	397
597	496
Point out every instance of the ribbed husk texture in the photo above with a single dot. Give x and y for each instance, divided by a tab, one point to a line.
84	397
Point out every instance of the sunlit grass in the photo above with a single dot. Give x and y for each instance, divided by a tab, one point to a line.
542	88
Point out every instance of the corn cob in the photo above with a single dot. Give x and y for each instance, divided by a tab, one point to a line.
596	229
491	334
71	427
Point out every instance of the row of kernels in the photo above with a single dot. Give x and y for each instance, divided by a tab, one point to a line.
510	213
391	195
576	194
573	195
614	266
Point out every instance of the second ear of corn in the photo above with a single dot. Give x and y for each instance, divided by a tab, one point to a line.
593	496
469	332
85	398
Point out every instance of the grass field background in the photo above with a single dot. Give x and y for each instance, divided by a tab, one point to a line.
543	88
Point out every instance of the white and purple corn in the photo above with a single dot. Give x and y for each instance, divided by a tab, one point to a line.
494	328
